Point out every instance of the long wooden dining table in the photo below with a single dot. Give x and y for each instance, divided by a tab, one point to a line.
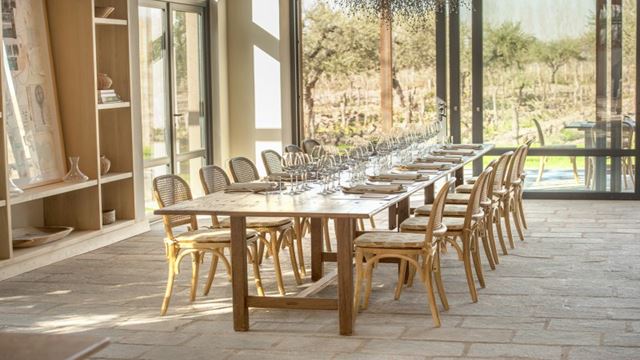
345	209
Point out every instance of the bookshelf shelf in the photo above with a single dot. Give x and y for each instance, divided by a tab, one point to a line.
114	105
116	22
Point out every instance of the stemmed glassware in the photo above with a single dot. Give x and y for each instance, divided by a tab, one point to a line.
289	167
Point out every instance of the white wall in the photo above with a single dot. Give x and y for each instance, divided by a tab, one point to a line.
258	89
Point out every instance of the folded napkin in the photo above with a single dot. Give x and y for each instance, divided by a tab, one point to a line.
392	177
446	159
426	166
464	146
374	189
251	187
279	177
454	152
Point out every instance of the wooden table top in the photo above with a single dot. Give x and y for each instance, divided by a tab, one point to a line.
307	204
23	346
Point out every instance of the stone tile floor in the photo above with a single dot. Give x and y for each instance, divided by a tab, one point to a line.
570	291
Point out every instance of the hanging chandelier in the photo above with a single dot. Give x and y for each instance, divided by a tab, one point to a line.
408	9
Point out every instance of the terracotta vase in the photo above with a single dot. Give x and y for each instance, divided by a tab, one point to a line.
105	165
104	82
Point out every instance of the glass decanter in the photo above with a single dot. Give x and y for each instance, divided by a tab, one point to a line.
74	174
14	189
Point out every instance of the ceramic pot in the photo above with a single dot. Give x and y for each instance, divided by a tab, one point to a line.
104	82
105	165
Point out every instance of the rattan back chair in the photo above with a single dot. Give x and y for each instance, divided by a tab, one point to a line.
292	148
498	191
243	170
214	179
409	248
309	144
272	232
511	202
272	162
170	190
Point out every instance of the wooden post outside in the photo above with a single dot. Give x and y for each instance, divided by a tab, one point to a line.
386	71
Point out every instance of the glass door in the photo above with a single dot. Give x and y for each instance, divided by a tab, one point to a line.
173	92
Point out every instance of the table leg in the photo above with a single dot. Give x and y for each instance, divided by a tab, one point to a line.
317	265
345	274
460	176
239	273
429	194
404	210
393	217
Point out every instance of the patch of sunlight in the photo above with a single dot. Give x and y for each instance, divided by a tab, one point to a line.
59	292
74	323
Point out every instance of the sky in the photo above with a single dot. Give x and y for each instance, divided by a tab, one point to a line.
545	19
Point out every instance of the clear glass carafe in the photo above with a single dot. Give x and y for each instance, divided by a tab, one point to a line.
74	174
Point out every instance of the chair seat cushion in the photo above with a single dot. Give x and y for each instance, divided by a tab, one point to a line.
391	240
419	223
211	236
459	199
471	180
260	222
449	210
464	189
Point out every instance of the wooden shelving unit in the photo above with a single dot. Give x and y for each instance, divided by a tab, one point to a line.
82	46
46	191
116	22
114	176
118	105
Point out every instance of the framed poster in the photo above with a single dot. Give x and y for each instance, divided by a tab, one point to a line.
35	145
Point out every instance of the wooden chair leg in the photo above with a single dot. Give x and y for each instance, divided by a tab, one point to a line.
543	159
487	250
361	225
212	273
467	268
574	163
171	255
521	208
402	272
492	237
359	276
372	221
261	252
475	253
507	221
253	258
498	224
428	283
515	211
299	233
438	277
369	279
287	236
275	255
227	264
195	269
325	233
412	273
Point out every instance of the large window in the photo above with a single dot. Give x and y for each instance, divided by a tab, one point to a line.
360	77
561	74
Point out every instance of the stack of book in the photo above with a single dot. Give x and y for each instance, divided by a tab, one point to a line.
108	96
